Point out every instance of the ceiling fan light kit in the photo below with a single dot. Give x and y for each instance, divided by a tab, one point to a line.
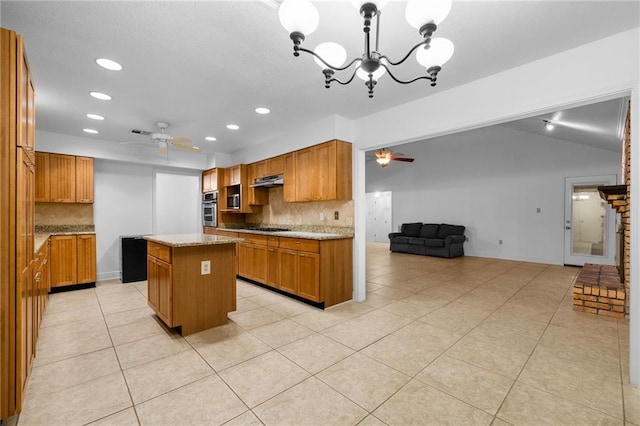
163	139
300	18
384	156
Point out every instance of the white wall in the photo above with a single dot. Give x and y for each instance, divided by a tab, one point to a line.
492	180
177	203
123	206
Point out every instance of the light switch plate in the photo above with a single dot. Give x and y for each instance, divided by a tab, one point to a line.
205	267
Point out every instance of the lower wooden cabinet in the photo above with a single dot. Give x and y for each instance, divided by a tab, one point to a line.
73	259
160	288
319	271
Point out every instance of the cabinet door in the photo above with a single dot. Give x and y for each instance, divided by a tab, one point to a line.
210	180
290	181
325	177
261	169
42	177
62	178
86	252
289	270
275	165
259	264
309	276
165	293
273	267
63	260
245	260
307	176
84	180
152	283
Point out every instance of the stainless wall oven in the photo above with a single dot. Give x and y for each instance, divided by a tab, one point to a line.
210	209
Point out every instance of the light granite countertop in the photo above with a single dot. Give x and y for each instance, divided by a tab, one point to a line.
41	237
189	240
294	234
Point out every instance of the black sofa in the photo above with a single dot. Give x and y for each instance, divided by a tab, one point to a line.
429	239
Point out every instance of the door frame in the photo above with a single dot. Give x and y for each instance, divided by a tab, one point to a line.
611	221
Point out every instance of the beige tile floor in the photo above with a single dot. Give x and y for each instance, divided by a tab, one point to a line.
438	341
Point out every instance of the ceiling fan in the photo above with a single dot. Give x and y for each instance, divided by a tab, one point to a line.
163	140
385	155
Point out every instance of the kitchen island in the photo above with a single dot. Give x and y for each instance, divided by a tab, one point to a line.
191	280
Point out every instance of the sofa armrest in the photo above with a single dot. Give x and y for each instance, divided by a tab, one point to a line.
451	239
394	234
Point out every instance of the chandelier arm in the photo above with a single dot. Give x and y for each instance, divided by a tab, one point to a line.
422	77
344	83
413	49
311	52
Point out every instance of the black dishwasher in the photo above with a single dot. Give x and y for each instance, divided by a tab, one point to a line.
133	262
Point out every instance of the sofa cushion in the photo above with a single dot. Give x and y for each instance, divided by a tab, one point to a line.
445	230
401	240
429	230
417	241
433	242
411	229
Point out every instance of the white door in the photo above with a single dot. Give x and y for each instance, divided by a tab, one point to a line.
589	222
378	216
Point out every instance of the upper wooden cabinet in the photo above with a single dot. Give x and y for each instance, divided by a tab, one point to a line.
210	179
84	180
64	178
233	175
275	165
290	181
320	173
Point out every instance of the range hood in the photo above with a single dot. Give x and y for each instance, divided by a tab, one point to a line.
268	181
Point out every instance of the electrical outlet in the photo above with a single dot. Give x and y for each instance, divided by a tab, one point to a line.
499	241
205	267
321	216
336	215
466	238
538	210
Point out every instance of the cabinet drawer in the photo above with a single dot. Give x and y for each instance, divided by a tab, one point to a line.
226	233
260	240
273	241
300	244
160	251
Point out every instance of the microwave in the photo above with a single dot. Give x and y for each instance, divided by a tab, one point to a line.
233	201
210	197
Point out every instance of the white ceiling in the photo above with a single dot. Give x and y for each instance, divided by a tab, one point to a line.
201	65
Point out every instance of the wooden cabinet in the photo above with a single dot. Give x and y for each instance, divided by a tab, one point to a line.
84	180
18	299
317	270
86	254
64	261
181	295
322	172
42	178
309	275
64	178
73	259
290	178
210	179
160	288
257	196
252	258
233	175
275	166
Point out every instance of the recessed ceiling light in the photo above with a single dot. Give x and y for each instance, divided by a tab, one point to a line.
95	116
263	110
92	131
101	96
210	138
233	126
108	64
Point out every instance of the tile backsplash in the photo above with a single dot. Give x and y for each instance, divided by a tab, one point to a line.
64	214
316	213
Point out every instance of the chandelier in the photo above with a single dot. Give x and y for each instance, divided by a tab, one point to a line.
300	18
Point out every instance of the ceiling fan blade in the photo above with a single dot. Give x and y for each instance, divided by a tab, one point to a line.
140	132
188	148
405	159
180	140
